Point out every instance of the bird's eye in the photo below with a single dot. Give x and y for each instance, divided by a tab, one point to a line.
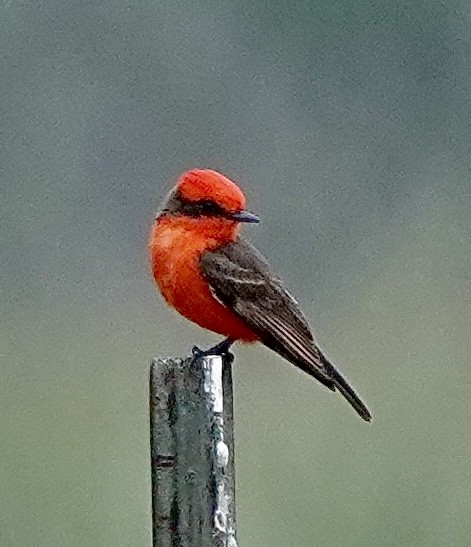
208	206
203	207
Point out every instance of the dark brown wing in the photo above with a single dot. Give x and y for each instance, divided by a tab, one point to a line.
242	280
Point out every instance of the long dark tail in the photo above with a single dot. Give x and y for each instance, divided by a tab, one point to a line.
341	384
316	364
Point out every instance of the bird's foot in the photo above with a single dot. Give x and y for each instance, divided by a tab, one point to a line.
219	349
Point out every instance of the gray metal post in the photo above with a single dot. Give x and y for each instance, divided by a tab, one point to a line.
192	452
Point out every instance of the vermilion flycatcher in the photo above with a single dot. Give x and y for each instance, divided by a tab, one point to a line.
214	278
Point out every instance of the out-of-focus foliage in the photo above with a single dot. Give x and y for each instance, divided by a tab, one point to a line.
349	126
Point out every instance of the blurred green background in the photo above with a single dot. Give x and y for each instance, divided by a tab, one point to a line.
348	124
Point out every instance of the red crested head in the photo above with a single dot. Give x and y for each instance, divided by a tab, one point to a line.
205	184
206	195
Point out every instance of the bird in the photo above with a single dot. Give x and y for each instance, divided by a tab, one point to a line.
214	277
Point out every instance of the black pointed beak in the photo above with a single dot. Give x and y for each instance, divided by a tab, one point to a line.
244	216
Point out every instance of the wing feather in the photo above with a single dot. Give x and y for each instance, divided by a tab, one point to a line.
241	279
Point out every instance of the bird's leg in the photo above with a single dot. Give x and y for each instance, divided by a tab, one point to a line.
219	349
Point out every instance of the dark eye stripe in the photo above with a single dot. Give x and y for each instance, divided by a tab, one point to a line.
178	205
202	208
208	207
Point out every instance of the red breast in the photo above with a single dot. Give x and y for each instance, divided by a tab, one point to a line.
175	245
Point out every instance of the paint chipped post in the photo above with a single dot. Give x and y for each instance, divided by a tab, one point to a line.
192	452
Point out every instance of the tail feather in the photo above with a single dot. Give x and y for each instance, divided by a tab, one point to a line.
345	389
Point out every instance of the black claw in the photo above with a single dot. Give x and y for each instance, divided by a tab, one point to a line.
219	349
197	352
